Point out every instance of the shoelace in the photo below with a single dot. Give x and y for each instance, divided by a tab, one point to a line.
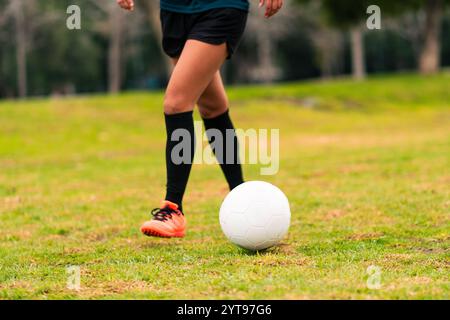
163	214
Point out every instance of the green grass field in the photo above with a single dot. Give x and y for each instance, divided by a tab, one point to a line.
365	166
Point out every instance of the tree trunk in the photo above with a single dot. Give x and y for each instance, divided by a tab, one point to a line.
329	51
21	48
430	58
266	71
115	50
152	7
358	54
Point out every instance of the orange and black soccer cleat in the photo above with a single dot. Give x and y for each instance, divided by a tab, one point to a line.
168	222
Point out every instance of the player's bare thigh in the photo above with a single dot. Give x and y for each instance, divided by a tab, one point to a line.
194	71
213	101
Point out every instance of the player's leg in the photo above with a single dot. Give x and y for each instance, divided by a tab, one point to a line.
214	100
192	74
213	107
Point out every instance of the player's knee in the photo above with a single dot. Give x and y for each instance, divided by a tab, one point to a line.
177	103
209	109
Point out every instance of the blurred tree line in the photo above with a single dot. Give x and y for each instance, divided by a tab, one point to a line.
117	50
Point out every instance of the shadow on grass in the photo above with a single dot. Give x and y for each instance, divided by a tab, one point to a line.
161	243
278	249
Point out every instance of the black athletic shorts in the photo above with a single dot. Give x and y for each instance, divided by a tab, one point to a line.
216	26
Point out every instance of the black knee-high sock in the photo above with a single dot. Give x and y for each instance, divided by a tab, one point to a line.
180	148
231	169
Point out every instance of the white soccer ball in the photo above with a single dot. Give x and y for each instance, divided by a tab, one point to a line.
255	215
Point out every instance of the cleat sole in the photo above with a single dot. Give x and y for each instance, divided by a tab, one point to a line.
154	233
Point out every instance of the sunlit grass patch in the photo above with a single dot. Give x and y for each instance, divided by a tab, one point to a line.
365	166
